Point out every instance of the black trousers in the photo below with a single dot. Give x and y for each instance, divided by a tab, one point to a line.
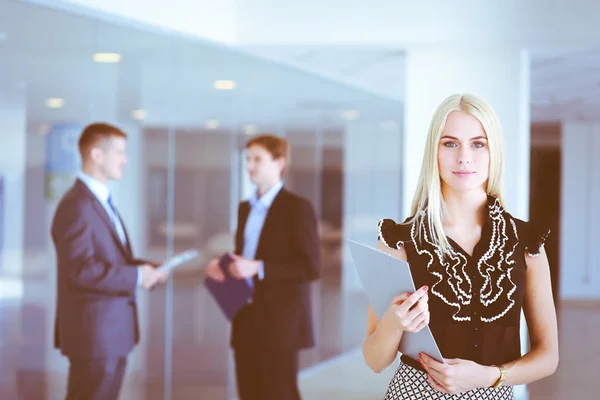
266	374
95	379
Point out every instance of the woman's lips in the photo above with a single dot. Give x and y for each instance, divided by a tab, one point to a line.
463	173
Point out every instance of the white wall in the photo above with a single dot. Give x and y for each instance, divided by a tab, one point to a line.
580	212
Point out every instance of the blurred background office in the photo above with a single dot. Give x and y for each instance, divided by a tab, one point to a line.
352	87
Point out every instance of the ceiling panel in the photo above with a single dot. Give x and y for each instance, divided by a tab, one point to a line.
565	84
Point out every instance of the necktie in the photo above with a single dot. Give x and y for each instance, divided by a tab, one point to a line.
116	220
112	206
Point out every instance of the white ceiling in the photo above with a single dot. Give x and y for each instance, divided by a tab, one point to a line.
565	85
49	54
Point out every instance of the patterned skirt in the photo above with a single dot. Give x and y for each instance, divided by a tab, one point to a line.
410	383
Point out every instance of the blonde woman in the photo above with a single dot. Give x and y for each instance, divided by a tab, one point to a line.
476	268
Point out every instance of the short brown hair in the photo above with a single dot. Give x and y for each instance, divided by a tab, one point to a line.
277	146
94	133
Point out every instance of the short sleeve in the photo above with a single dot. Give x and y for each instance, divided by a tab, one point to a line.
535	238
392	234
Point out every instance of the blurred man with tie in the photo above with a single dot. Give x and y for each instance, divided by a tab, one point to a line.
277	251
97	274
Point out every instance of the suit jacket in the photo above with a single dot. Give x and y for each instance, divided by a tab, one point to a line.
96	312
280	314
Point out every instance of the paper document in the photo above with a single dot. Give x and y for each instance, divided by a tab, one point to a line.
384	277
178	260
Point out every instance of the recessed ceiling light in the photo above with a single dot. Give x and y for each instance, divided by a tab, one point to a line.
107	57
350	114
139	114
250	130
55	102
211	124
225	85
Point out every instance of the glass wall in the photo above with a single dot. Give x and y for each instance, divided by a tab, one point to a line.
188	107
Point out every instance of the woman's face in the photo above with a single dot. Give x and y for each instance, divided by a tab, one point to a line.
463	154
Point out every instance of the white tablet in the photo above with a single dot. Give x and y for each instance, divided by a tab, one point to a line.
384	277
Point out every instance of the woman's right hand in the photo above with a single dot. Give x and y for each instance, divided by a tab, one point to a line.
214	271
408	312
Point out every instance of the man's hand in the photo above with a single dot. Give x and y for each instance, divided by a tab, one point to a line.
213	270
242	268
151	277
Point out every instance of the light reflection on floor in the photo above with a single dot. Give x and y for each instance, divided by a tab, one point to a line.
29	366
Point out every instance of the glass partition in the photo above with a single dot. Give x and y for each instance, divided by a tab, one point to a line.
188	107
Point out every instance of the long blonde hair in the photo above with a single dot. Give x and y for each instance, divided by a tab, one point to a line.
428	198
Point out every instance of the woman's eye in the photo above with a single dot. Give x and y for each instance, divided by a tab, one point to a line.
478	145
450	144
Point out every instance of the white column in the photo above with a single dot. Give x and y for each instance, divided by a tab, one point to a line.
13	160
501	77
580	218
372	183
13	135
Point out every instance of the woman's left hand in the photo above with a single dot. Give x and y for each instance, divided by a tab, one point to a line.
457	375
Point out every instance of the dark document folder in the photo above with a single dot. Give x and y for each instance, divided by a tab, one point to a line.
231	294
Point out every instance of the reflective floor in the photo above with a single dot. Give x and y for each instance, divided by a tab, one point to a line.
201	367
31	369
576	377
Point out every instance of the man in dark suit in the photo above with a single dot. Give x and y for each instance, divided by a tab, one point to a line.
277	251
97	275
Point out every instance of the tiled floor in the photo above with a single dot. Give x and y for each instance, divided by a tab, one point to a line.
31	369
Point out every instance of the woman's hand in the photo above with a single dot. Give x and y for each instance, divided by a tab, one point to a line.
407	312
457	376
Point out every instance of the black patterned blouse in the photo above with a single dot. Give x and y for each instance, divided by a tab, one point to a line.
474	301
